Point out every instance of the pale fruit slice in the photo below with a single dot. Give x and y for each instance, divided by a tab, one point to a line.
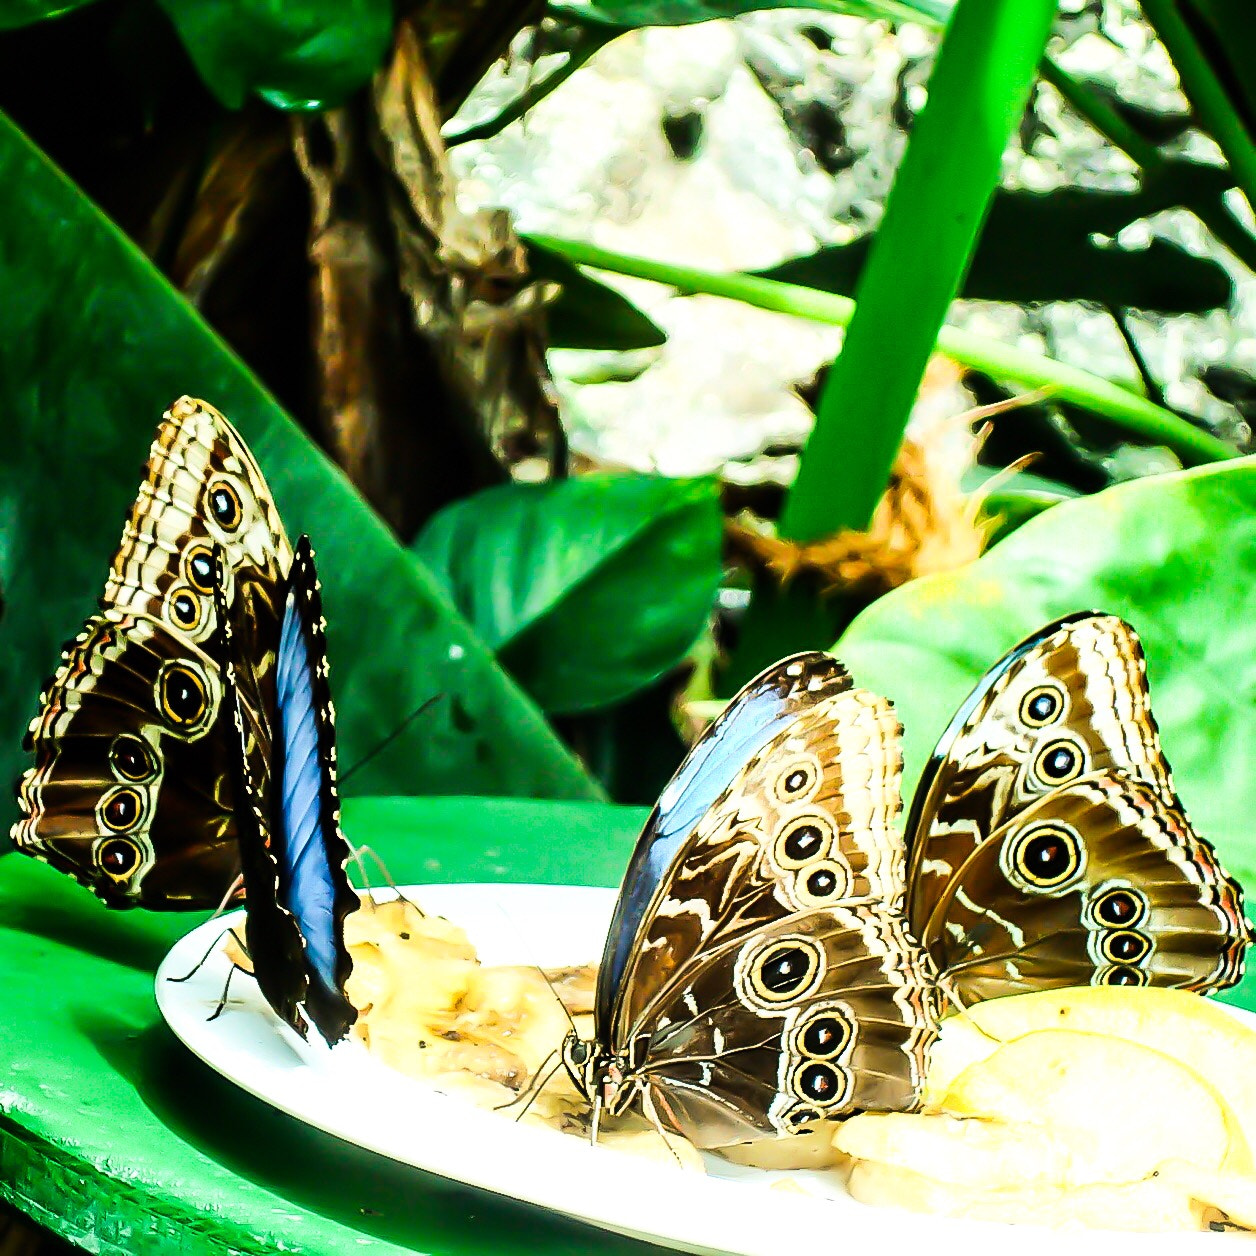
964	1151
1149	1205
1183	1025
1120	1108
1232	1195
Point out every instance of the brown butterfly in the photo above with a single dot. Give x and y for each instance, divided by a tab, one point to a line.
774	961
188	737
1047	844
130	788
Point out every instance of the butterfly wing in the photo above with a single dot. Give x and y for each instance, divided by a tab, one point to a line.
1065	714
816	1016
762	708
292	851
1102	882
798	848
129	789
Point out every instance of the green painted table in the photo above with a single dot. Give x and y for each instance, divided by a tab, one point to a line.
116	1137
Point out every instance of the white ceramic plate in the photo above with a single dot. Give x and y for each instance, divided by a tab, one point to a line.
733	1210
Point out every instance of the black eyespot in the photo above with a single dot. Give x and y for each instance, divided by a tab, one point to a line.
1046	856
185	610
819	1083
132	758
821	883
200	569
795	781
1119	907
1058	762
786	970
1040	706
183	697
1125	946
579	1052
803	842
1119	975
801	1117
824	1037
224	505
118	857
121	810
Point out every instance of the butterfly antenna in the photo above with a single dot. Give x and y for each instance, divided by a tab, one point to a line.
355	856
388	741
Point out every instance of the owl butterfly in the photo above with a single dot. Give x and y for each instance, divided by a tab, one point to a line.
758	975
1047	845
775	960
139	788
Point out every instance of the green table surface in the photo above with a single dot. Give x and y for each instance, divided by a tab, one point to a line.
113	1135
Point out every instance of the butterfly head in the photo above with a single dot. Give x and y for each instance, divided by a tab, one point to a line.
606	1081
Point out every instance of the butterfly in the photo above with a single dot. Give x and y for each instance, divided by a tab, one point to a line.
1047	844
779	956
187	737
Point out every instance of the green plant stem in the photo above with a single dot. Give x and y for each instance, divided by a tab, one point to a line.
592	41
1125	410
1090	104
1206	93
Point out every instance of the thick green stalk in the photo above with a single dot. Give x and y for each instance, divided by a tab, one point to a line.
985	67
1206	93
1128	413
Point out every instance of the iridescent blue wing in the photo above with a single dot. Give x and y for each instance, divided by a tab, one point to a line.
758	713
292	852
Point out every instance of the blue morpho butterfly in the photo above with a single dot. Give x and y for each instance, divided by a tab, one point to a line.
778	954
292	852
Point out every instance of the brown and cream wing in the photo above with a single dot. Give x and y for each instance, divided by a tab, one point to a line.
1070	701
1102	881
128	790
819	1015
202	487
808	822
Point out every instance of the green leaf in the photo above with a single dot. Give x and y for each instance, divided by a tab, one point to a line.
94	345
588	589
589	314
15	13
1175	555
682	12
118	1139
297	54
1042	247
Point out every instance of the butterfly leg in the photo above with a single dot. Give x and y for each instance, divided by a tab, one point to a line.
226	990
359	855
651	1115
200	963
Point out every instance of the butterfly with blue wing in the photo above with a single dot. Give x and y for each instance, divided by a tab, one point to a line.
293	854
161	772
758	977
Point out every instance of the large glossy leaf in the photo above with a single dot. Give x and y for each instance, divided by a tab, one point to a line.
94	345
589	314
297	54
1045	247
15	13
1175	555
682	12
588	589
